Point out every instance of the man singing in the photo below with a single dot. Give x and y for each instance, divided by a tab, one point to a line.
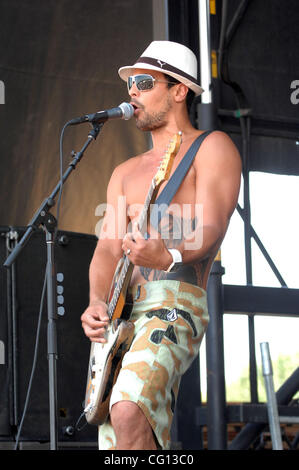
172	264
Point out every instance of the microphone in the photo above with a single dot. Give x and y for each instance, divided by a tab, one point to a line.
123	111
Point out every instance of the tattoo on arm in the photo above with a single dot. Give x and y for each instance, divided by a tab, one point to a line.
173	229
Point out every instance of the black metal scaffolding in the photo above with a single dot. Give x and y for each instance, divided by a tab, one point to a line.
248	299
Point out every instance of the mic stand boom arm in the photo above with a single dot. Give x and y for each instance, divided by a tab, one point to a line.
44	218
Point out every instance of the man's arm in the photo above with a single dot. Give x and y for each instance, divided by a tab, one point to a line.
218	171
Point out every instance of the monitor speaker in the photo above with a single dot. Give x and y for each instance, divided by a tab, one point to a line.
21	289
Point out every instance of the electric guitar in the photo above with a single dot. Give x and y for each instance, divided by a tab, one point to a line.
106	358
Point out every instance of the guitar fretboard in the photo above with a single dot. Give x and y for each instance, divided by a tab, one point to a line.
126	262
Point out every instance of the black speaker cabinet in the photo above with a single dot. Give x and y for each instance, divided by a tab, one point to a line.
21	288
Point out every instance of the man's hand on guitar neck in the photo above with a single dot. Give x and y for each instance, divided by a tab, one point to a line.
149	253
95	321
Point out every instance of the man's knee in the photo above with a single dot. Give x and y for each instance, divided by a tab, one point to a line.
127	416
125	412
131	427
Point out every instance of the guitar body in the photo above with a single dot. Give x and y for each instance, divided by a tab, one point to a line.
104	364
106	358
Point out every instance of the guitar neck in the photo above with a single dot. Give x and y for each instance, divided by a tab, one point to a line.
123	279
162	175
151	195
127	267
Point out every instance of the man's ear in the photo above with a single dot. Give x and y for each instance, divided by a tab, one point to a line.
181	92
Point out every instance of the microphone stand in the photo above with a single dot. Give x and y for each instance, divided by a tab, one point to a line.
44	218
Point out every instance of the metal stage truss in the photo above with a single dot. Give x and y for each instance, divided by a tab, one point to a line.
248	299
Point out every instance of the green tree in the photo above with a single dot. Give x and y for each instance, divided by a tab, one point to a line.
283	367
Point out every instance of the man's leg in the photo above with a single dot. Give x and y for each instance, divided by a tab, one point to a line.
131	427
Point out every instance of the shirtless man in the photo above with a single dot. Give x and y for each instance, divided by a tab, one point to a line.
142	402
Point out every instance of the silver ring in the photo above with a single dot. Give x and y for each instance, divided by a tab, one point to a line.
128	251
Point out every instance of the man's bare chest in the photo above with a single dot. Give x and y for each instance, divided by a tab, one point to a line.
136	186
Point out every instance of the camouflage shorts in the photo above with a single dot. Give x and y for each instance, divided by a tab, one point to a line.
170	319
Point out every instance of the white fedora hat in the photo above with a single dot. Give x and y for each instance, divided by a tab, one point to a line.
168	57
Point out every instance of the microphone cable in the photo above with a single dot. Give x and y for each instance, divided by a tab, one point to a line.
37	338
35	356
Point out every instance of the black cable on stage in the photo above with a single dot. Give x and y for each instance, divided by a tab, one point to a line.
35	356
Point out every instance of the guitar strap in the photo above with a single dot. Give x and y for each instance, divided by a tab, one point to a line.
166	196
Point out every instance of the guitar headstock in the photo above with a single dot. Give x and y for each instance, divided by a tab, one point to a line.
165	166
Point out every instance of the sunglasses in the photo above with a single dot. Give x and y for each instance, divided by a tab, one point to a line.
143	82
